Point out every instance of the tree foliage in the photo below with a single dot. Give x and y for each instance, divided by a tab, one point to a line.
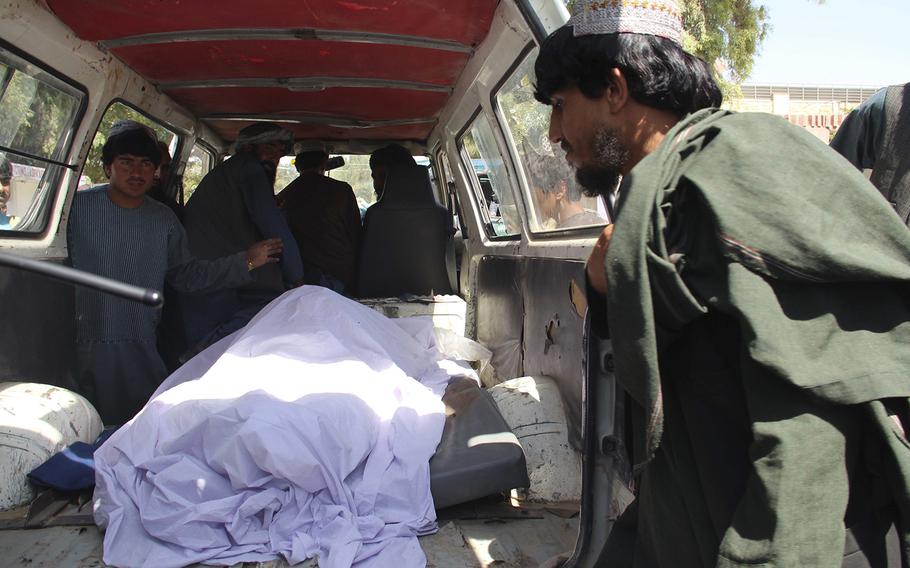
35	115
727	33
356	172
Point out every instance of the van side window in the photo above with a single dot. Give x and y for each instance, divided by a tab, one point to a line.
490	180
93	172
557	199
427	163
442	161
38	114
201	162
356	173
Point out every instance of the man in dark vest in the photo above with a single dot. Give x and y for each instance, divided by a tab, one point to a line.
876	136
235	204
325	220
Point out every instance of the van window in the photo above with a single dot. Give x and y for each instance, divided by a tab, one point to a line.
491	182
201	162
356	173
93	172
548	180
38	114
441	170
427	163
285	174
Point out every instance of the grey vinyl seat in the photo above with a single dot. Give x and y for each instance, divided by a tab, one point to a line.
478	454
406	235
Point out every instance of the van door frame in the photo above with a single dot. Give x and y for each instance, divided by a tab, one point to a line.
605	472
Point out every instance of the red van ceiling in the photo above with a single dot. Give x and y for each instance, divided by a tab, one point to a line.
329	69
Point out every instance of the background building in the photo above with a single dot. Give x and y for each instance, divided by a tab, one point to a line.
819	109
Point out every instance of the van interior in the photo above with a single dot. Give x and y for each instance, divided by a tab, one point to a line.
453	82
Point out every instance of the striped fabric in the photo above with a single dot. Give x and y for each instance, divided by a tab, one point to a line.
130	245
118	365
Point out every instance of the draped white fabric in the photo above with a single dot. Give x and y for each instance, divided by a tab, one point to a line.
307	433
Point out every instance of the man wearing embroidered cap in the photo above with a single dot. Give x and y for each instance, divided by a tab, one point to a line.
761	331
232	205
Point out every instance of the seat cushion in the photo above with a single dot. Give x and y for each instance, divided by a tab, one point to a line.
478	454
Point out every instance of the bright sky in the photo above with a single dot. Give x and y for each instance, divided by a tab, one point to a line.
840	42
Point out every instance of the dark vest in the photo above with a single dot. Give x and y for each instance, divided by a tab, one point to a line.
891	173
218	221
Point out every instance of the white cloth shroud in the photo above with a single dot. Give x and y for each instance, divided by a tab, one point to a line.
305	434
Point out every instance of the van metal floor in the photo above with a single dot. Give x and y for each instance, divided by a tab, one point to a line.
488	536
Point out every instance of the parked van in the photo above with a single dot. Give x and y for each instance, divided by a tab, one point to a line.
451	81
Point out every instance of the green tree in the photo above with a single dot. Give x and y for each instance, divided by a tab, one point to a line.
727	33
192	175
35	115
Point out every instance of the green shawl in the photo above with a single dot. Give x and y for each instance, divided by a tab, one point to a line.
756	218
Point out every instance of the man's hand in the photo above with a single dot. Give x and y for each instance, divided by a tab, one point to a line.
263	252
597	275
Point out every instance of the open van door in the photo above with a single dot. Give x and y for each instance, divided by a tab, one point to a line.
527	267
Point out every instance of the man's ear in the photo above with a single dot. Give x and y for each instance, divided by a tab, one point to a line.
107	171
617	91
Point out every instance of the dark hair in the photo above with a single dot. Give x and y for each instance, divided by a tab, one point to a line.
165	149
660	74
546	171
6	170
313	159
391	156
135	141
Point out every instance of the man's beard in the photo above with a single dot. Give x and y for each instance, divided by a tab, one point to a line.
271	170
610	155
